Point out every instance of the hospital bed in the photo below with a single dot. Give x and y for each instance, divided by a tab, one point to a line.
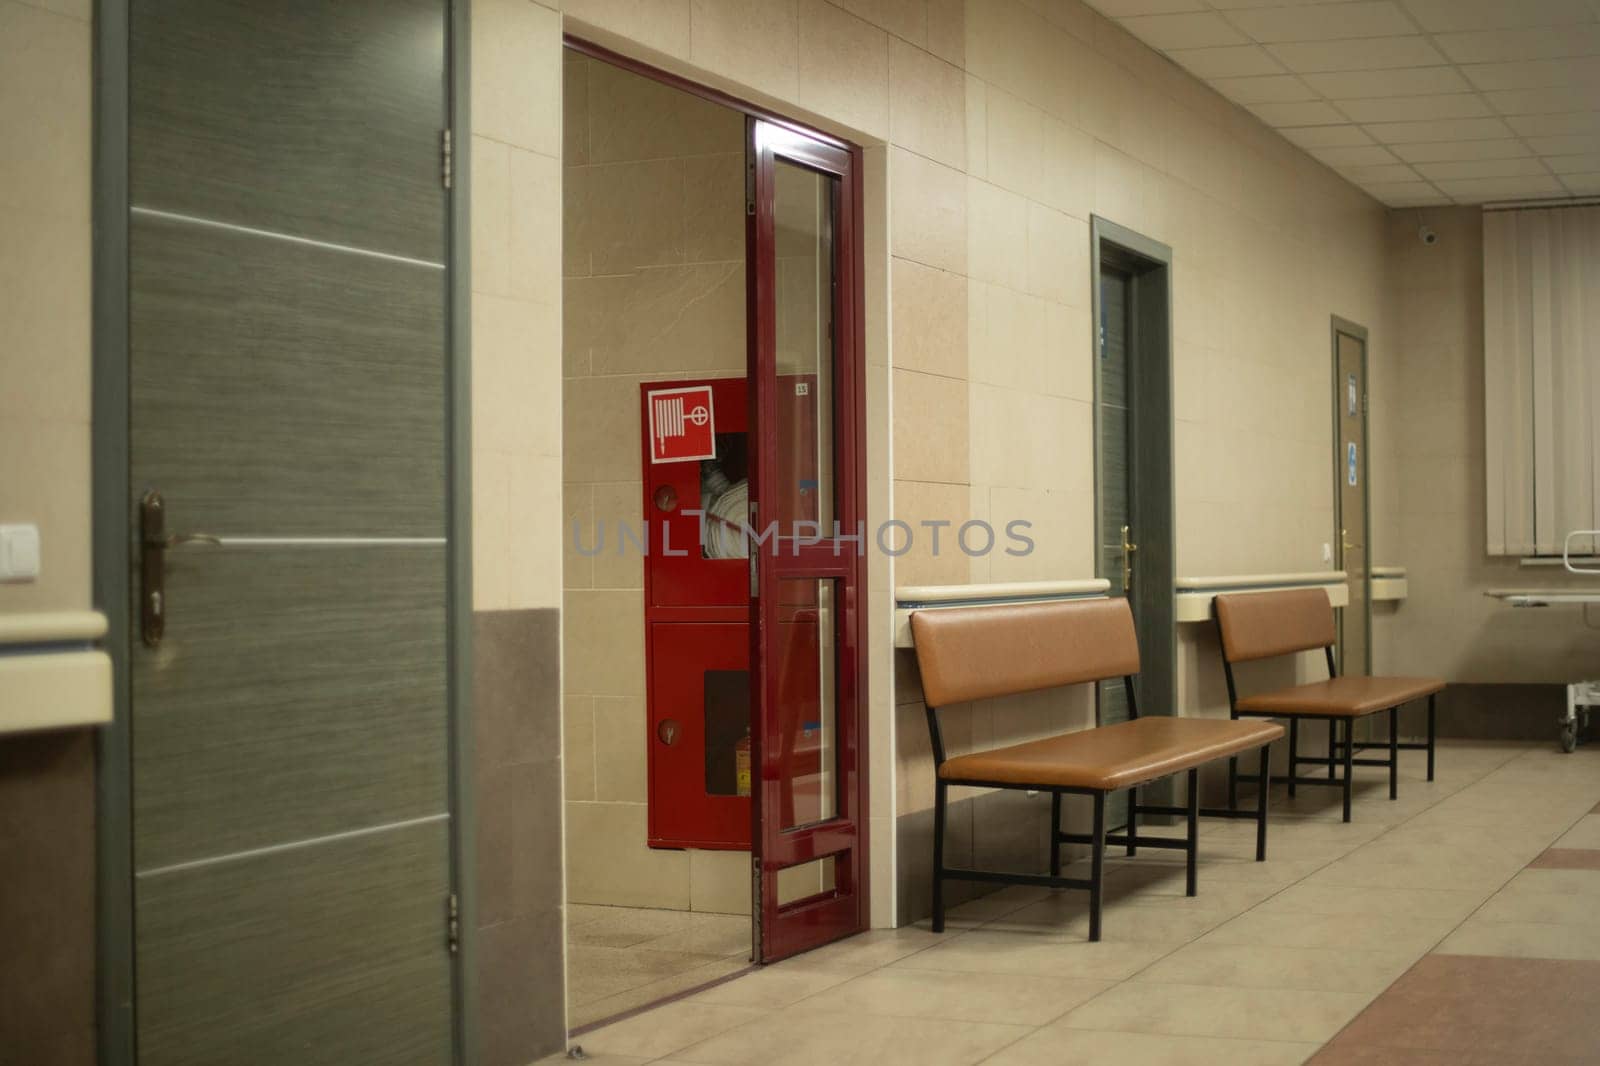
1582	696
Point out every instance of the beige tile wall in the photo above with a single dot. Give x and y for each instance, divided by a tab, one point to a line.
45	302
653	258
516	153
1430	518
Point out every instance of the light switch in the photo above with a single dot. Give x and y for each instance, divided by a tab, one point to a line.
19	552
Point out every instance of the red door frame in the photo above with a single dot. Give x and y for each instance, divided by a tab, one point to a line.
808	923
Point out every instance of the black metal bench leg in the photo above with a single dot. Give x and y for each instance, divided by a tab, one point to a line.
1430	736
1349	762
1333	746
1261	804
939	790
1192	885
1394	753
1133	820
1097	865
1233	782
1055	834
1294	754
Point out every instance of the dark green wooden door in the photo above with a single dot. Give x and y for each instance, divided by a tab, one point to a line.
288	363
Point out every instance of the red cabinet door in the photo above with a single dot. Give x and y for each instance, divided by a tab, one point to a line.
699	720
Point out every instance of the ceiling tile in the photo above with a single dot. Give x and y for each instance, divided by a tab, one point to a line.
1303	113
1575	164
1202	30
1323	22
1408	81
1477	190
1543	101
1355	155
1577	144
1415	108
1452	151
1535	73
1447	16
1230	62
1482	168
1500	46
1405	193
1555	125
1122	8
1326	136
1246	5
1461	129
1582	184
1272	89
1384	174
1373	53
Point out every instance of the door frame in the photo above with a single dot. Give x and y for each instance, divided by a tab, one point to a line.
856	324
1337	326
111	518
1149	262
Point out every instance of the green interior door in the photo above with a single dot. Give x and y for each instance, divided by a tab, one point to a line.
288	418
1118	560
1350	460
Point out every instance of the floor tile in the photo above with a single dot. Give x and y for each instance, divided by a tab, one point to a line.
1198	1010
1253	966
1567	859
1056	1044
984	951
771	986
1486	1006
1370	932
1525	940
798	1037
1585	834
868	951
1354	900
668	1029
1010	999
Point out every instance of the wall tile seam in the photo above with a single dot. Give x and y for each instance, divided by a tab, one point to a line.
514	146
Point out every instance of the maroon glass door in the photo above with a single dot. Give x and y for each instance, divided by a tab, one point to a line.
807	506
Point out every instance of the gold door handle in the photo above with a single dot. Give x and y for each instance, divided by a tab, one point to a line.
1344	539
1128	548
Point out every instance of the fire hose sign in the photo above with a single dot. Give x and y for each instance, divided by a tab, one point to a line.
682	424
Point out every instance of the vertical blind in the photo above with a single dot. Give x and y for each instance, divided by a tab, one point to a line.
1541	334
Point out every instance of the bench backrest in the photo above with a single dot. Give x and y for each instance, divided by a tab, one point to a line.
1261	625
974	653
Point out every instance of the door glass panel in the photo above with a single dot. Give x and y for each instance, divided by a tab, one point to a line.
816	878
803	213
805	657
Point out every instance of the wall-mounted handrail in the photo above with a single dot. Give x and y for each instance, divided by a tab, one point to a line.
51	627
909	598
1196	593
52	675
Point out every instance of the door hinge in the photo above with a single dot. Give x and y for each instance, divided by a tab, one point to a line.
1363	403
452	910
447	159
750	184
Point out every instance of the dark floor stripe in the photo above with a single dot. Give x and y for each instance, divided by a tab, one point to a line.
1567	859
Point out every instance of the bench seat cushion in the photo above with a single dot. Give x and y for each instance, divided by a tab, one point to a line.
1348	697
1113	756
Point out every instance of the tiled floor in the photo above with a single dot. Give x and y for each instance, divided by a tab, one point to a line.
1438	928
622	958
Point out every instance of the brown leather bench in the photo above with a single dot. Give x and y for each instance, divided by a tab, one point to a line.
1264	625
975	653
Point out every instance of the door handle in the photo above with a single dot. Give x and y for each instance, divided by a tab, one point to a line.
1344	539
1128	548
154	542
